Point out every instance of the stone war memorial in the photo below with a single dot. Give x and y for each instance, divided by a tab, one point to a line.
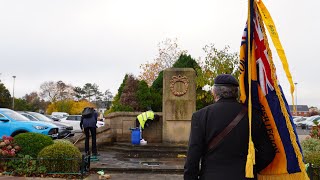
179	102
167	139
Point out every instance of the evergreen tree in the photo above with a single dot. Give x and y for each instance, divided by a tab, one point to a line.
129	96
5	97
144	96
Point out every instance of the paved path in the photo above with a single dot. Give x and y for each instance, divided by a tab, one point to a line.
114	176
144	176
113	161
26	178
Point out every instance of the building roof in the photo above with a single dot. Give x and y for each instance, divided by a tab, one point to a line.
300	108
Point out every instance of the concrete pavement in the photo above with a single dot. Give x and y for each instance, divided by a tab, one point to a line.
135	176
114	176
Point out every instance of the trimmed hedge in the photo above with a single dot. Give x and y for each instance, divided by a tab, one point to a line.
32	143
62	141
60	157
311	150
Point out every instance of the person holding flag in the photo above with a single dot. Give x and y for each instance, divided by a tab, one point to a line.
219	137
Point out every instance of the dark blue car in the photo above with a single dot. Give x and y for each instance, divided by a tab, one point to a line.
13	123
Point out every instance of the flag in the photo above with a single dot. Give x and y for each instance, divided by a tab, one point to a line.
260	89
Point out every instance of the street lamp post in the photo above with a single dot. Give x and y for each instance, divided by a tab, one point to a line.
296	89
14	78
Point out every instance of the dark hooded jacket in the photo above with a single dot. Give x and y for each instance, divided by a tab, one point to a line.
228	160
89	121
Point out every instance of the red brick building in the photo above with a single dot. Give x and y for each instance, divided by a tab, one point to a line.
302	110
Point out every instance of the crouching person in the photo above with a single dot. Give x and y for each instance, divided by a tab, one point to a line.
145	119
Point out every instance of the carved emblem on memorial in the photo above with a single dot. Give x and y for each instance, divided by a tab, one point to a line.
179	85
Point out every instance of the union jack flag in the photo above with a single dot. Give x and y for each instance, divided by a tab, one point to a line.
267	97
261	56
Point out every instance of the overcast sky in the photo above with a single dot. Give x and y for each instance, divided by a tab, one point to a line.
99	41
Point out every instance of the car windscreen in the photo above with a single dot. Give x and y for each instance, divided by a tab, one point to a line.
14	115
74	118
41	117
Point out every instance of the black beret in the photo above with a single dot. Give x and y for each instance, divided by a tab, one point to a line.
225	80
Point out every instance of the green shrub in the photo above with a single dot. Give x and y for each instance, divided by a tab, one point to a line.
7	147
157	84
60	157
62	141
119	107
144	96
156	105
315	131
24	166
186	61
32	143
128	96
311	150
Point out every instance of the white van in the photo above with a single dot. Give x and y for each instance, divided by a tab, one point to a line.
59	115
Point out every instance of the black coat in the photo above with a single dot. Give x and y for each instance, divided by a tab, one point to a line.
91	121
228	160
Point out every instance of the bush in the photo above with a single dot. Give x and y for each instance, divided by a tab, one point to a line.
7	147
24	165
32	143
129	96
311	150
60	157
315	131
144	96
62	141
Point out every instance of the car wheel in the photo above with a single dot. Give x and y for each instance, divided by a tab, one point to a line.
18	132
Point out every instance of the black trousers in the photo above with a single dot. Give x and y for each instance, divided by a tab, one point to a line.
93	133
147	124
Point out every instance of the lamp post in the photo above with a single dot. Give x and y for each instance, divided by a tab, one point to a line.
296	89
14	78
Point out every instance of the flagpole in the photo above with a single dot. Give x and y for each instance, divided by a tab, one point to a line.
251	152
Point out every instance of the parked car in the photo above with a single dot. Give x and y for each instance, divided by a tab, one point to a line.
74	120
312	121
52	117
59	115
308	121
13	123
298	119
65	130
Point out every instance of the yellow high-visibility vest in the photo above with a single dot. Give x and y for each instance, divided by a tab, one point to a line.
143	117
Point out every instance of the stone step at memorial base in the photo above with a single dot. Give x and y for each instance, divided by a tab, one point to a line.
118	161
151	150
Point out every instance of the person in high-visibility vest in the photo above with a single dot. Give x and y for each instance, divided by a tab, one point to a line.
145	119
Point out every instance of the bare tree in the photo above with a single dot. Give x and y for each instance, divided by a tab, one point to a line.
48	91
54	91
169	53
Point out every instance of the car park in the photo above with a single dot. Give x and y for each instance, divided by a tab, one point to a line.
13	123
65	130
312	122
297	120
308	122
52	117
74	120
59	115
